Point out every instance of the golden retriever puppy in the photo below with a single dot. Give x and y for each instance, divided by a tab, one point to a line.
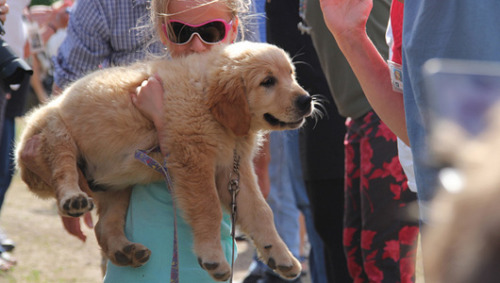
216	104
462	242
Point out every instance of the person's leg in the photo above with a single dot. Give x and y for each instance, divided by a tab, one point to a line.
388	239
282	201
352	196
316	257
6	156
15	108
6	173
317	265
327	203
281	198
3	105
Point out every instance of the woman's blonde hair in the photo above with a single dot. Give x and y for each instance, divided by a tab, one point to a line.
160	14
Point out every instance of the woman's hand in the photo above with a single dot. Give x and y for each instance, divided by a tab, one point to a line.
148	98
73	227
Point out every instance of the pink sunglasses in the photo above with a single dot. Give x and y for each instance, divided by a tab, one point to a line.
210	32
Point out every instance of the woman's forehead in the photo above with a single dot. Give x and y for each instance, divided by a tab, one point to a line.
198	10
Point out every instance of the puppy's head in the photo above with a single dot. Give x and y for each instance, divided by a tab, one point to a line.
255	89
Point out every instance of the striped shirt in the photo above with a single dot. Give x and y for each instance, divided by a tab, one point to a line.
103	33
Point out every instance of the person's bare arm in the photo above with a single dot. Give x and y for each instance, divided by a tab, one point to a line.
261	164
346	20
36	81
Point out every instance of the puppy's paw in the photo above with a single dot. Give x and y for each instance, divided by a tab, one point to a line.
219	269
76	205
133	254
281	261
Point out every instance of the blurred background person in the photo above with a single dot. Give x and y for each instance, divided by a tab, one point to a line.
15	95
19	27
380	240
49	19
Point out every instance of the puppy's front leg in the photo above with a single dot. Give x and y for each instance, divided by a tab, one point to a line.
112	208
195	193
255	218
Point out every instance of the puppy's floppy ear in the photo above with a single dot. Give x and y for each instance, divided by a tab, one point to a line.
228	103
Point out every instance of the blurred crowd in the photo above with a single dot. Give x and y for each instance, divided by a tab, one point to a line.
33	30
340	187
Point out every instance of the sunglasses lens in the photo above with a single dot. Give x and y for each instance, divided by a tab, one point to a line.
211	32
180	33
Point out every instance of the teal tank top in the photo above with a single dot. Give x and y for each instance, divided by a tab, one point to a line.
150	222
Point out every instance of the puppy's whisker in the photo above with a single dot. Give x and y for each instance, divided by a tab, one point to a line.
301	62
319	109
299	54
319	106
295	56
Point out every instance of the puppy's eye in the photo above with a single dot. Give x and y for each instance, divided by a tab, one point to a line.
268	81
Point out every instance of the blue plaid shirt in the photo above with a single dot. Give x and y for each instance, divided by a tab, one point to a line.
103	33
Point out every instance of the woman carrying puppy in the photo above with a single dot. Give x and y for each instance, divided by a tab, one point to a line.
176	22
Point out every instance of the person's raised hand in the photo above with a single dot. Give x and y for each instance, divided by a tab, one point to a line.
345	17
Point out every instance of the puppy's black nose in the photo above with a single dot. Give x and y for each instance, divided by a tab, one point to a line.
303	103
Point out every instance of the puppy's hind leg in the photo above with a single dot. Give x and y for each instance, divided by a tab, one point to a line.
112	208
47	164
60	153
